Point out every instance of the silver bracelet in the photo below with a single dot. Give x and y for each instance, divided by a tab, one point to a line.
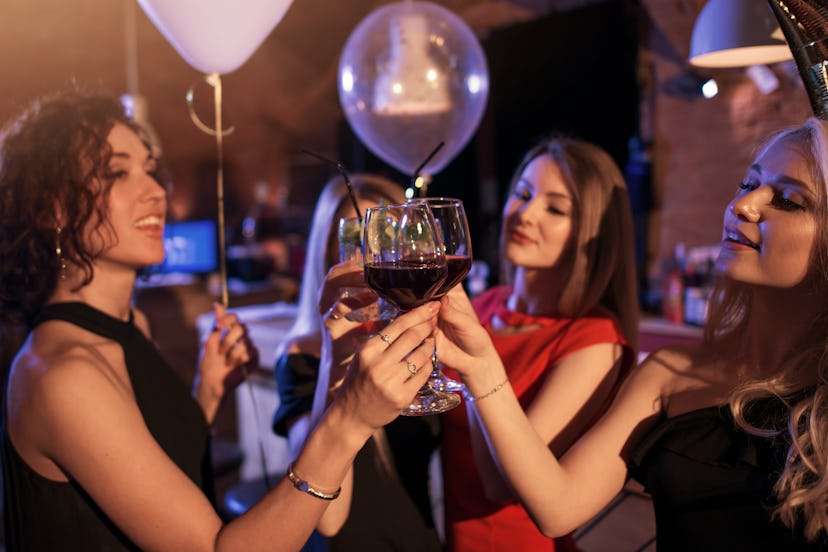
494	390
304	486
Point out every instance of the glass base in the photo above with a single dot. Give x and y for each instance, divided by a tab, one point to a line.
431	402
445	384
441	382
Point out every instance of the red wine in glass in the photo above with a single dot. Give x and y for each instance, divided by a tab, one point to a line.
406	284
453	225
405	263
457	266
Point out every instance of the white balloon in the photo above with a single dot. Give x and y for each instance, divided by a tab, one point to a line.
412	74
215	36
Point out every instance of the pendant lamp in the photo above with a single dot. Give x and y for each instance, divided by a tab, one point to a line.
737	33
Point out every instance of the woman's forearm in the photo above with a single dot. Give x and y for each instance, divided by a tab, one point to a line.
287	515
532	470
496	487
208	399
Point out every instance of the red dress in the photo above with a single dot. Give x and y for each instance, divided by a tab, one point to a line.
473	522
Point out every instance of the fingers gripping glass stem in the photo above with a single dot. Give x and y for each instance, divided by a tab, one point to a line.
405	263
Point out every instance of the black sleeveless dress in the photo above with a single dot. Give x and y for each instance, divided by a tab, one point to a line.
41	514
388	513
712	483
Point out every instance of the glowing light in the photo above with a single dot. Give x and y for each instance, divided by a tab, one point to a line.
474	84
347	79
710	88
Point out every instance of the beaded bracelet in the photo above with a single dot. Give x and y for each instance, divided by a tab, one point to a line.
494	390
304	486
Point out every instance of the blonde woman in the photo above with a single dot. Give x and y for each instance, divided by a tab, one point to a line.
385	503
728	436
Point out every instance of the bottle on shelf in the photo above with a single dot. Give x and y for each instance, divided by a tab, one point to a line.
672	299
698	279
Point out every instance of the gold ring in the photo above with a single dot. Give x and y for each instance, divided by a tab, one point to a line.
412	367
335	315
384	337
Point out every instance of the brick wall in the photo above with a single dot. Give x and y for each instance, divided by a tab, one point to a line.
702	148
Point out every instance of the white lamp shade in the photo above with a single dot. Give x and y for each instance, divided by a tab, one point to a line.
737	33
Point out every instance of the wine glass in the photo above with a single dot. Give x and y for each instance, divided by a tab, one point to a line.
349	236
405	263
453	226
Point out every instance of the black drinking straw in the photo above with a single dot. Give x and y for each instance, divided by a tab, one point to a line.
424	163
341	168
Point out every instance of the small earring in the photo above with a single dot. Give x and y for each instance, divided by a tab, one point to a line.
59	253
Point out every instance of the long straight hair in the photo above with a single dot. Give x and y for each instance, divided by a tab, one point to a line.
322	253
600	254
322	240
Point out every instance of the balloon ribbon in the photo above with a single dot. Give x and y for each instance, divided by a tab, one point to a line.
214	80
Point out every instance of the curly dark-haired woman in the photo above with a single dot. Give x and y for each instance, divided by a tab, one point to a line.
103	446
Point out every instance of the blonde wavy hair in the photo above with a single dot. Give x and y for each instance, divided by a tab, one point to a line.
600	255
323	253
800	383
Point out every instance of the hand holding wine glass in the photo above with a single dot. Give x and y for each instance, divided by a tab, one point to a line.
451	221
405	263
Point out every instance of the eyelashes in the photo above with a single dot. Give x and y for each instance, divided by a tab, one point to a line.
779	200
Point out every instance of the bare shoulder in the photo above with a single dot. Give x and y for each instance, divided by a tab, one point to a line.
66	373
690	376
55	385
659	372
56	366
309	344
673	360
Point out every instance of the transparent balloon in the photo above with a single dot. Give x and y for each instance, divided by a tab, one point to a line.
413	74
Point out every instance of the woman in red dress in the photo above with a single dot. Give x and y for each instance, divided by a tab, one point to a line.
564	325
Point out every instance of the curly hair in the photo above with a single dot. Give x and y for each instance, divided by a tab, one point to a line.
53	176
801	382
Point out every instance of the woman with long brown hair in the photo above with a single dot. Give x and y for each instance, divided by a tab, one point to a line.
564	325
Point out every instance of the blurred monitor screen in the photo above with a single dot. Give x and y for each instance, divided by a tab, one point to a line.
190	247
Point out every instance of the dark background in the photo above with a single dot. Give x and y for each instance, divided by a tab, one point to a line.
571	73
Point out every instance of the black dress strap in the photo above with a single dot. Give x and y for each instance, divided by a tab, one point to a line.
88	318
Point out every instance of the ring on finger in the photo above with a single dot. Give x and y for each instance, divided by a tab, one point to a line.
335	314
385	338
412	367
